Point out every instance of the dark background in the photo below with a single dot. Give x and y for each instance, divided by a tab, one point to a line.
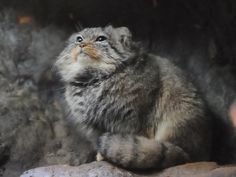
35	128
147	19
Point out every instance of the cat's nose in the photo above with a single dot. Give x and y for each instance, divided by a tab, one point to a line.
82	45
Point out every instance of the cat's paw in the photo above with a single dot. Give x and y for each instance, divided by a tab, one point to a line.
99	157
114	148
103	144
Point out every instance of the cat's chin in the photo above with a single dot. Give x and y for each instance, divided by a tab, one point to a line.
83	58
84	62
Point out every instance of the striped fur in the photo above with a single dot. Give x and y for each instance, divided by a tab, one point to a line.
147	113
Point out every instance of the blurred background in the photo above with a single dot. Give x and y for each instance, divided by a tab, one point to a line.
35	128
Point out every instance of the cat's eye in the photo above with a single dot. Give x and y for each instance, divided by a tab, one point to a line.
79	39
101	38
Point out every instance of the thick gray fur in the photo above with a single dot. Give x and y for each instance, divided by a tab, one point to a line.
141	109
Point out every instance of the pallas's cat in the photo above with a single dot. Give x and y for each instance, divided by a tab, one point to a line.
141	109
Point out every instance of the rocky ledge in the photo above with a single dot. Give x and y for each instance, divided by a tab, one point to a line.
104	169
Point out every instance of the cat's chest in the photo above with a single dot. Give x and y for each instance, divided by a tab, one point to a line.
88	96
109	105
80	99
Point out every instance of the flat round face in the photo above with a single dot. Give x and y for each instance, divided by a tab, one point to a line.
90	43
102	49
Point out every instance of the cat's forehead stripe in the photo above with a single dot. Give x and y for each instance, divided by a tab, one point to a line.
91	32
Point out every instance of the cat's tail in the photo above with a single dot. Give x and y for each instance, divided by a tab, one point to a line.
136	152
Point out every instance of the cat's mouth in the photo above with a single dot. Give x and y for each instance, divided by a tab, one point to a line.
88	50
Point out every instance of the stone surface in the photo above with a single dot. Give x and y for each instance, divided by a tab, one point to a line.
104	169
94	169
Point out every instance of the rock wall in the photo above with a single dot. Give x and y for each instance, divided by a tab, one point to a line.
33	128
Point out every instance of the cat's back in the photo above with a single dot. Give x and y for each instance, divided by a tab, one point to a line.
169	72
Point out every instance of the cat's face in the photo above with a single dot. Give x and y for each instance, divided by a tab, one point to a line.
102	49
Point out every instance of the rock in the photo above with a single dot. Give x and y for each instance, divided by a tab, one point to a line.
105	169
94	169
33	127
199	169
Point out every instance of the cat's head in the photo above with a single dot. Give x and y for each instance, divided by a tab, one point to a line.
102	49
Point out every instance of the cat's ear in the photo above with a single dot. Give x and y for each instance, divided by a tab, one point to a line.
109	29
121	34
125	35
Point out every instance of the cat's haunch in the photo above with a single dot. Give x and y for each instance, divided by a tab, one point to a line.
141	108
